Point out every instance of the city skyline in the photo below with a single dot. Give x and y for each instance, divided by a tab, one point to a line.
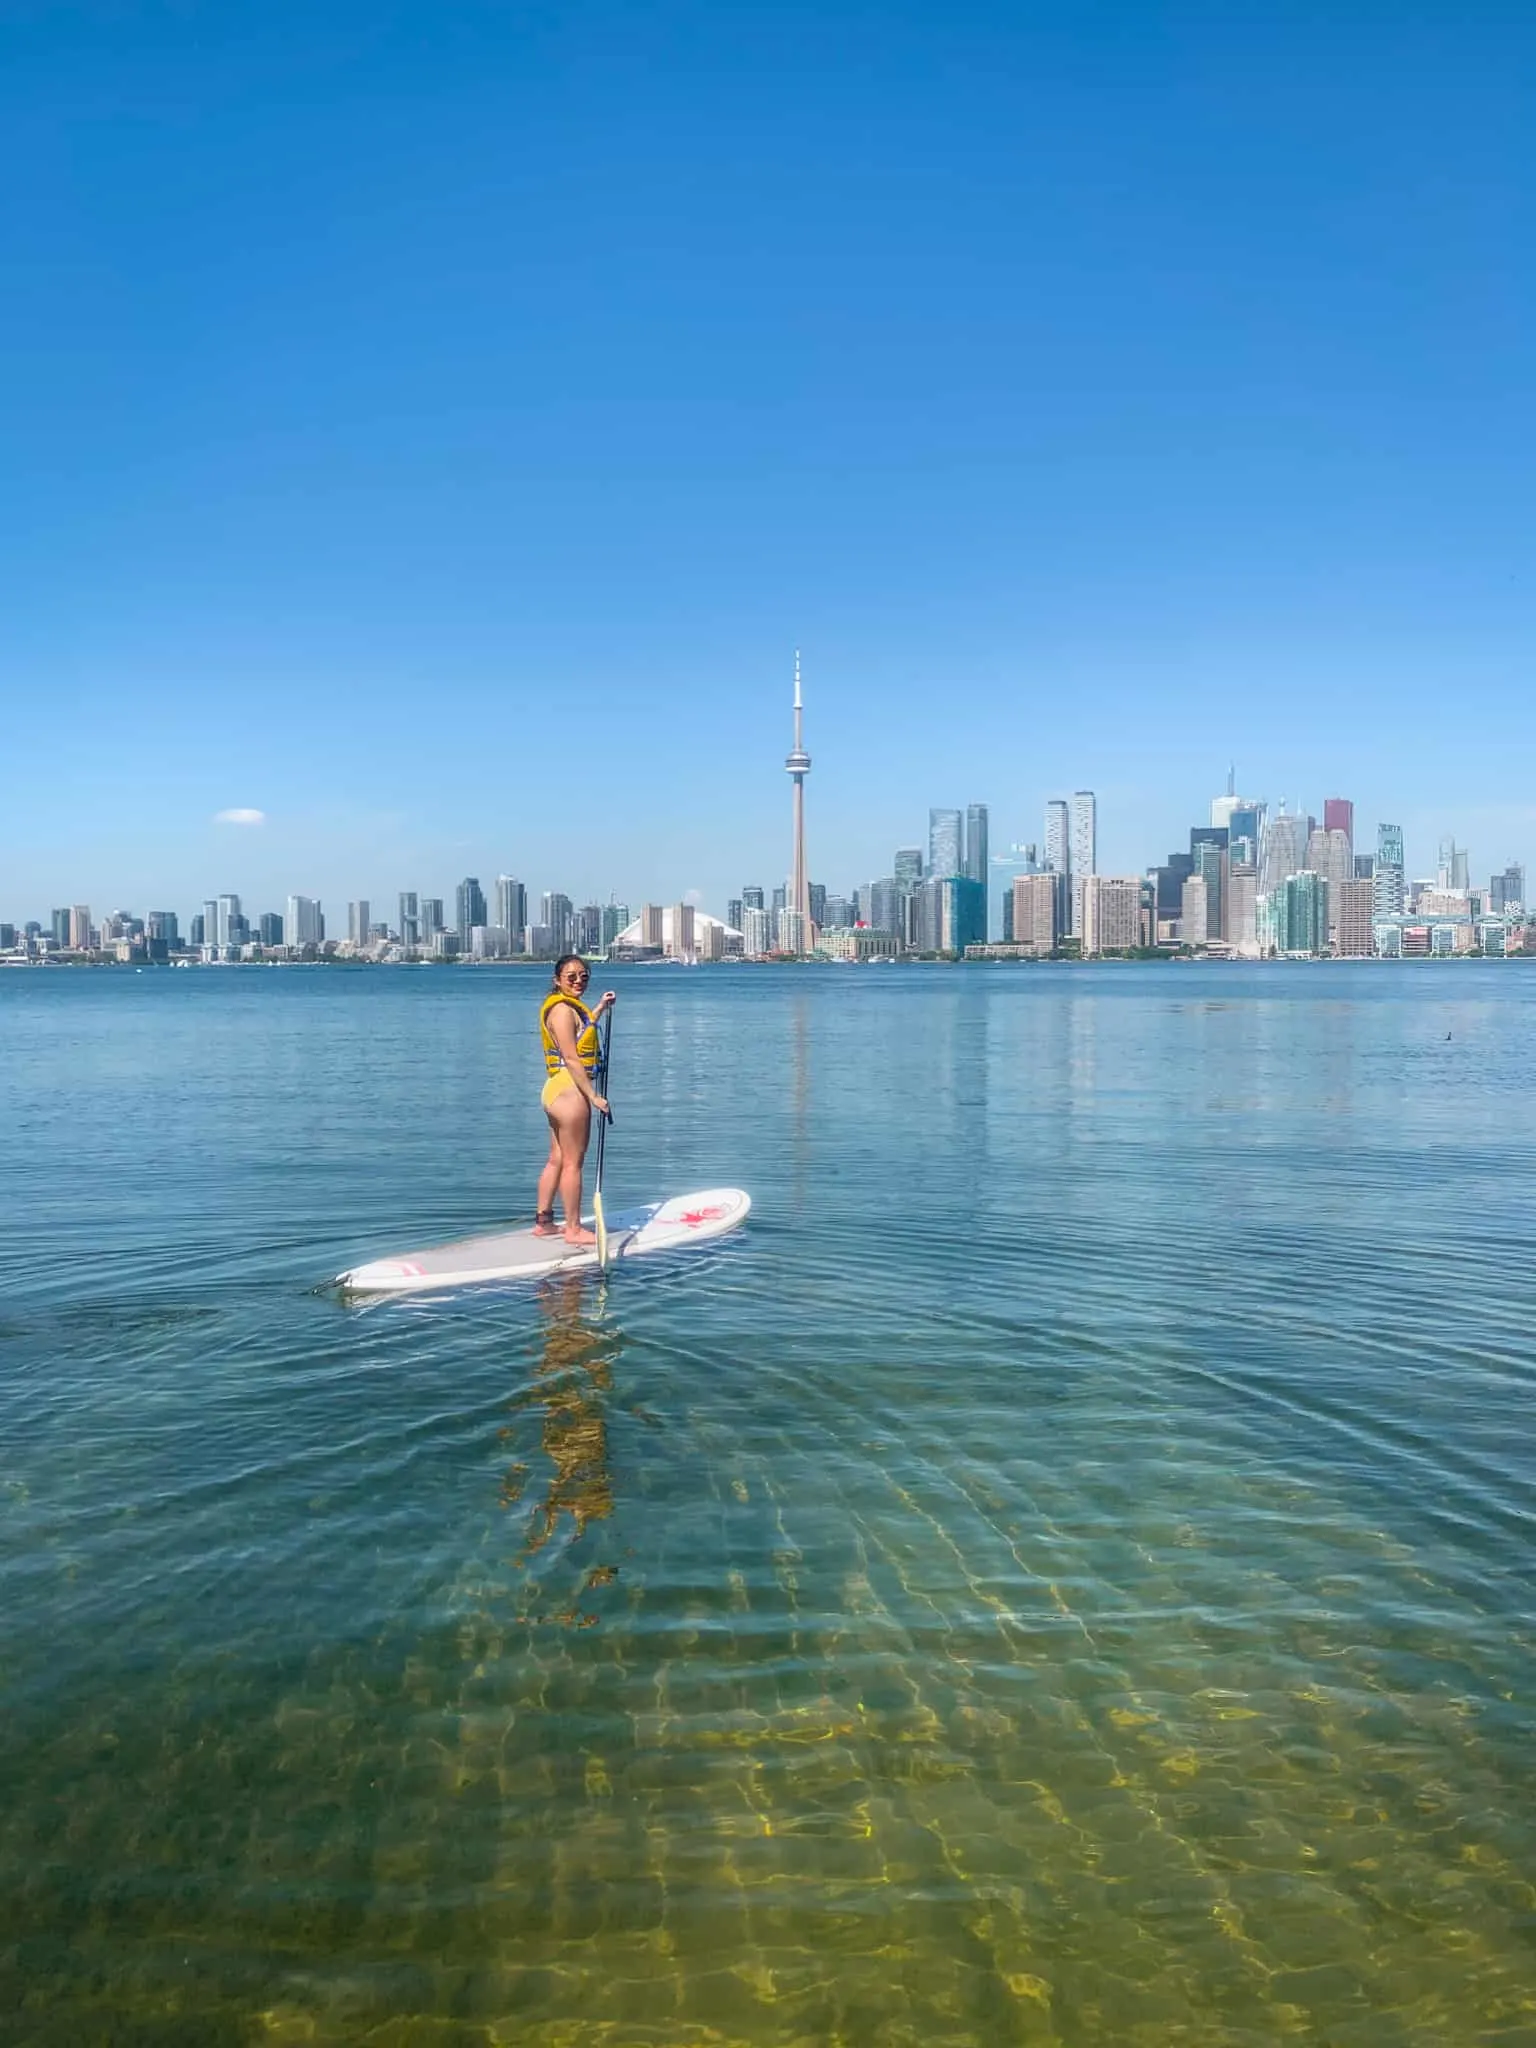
1256	881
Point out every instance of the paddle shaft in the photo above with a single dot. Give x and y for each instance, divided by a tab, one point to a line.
604	1120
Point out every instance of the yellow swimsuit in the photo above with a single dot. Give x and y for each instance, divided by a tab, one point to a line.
586	1046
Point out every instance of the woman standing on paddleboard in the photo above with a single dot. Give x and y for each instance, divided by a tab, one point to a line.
568	1034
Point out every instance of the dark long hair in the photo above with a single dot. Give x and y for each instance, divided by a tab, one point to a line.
566	960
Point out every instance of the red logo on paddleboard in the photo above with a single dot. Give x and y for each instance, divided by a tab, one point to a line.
694	1217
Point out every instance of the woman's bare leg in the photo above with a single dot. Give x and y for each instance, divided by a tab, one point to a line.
549	1180
572	1120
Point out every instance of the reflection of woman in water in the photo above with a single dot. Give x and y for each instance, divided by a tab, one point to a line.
572	1379
568	1034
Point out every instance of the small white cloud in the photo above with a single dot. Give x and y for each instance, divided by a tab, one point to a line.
693	896
238	817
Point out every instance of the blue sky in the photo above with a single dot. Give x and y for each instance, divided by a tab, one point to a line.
436	426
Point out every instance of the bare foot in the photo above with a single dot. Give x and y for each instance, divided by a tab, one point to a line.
545	1230
580	1236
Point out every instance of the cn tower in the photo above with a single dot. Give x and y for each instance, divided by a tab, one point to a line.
798	763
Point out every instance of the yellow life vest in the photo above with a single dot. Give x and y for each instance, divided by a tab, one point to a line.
587	1049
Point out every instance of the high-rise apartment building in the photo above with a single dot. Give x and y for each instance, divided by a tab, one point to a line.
817	892
1351	916
211	921
652	926
469	908
269	928
951	914
1111	914
1303	923
1389	893
1209	854
682	921
163	925
733	912
1085	833
305	921
1242	931
357	922
755	932
558	914
229	926
1195	913
752	897
907	867
431	918
976	835
1036	901
509	903
946	843
888	900
1058	844
410	918
1339	816
789	932
615	918
1506	892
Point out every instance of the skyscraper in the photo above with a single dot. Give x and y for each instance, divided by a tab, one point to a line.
1389	847
1339	816
357	922
229	923
304	924
1328	855
1284	852
1210	859
976	843
1507	891
1036	902
1111	914
798	765
1454	864
1085	833
510	902
951	914
946	844
431	918
469	907
1350	915
1303	925
80	927
410	918
557	914
1058	846
907	867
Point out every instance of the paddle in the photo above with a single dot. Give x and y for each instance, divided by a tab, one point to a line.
602	1134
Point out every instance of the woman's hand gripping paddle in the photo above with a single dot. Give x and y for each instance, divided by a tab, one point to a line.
602	1132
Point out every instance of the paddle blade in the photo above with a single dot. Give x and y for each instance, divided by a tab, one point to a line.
602	1229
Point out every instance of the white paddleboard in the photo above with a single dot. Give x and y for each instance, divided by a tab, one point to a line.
519	1255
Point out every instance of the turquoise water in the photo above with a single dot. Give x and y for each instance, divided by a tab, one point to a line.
1062	1574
